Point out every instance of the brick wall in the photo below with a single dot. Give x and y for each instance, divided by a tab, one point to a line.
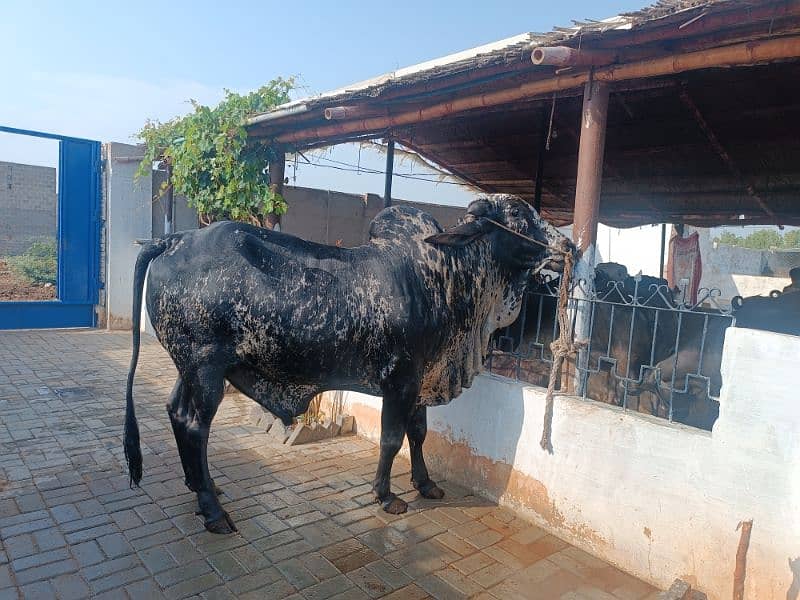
27	206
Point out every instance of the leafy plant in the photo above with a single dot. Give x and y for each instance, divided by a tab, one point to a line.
211	163
38	264
763	239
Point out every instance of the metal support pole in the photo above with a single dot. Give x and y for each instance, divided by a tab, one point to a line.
663	249
587	203
277	173
169	204
387	189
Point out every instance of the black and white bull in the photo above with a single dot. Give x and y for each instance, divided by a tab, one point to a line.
407	316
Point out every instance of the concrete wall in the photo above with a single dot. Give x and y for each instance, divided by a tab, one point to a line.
28	206
742	271
329	217
128	218
659	500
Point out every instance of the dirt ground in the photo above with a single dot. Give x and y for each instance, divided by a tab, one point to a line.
14	287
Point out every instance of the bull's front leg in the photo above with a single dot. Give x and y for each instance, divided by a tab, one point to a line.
398	402
416	432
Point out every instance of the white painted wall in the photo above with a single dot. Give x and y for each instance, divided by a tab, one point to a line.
734	271
129	217
659	500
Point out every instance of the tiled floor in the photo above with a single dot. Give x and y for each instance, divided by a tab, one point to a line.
70	526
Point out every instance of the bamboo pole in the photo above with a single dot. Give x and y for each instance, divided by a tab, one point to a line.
564	56
728	56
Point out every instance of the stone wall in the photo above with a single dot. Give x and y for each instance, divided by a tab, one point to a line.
28	206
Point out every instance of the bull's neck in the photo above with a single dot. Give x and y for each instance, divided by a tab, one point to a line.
477	277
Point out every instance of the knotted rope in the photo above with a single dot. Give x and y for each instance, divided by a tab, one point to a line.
563	346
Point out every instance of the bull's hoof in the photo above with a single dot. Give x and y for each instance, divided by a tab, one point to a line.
223	524
430	490
394	505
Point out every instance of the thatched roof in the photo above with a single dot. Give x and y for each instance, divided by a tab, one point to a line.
711	138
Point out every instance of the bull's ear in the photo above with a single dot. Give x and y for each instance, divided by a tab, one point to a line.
460	235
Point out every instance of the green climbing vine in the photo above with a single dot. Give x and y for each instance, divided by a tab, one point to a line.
211	163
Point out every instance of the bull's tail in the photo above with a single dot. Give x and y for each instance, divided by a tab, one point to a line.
133	450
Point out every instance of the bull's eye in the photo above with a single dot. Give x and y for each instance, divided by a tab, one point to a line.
514	212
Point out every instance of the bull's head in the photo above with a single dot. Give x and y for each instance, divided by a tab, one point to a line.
501	216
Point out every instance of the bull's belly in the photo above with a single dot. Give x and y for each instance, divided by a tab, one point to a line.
308	360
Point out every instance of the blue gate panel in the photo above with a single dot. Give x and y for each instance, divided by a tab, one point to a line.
79	223
45	315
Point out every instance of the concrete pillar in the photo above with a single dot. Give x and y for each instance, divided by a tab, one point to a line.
587	200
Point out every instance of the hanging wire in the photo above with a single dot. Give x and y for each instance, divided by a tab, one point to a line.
345	166
550	126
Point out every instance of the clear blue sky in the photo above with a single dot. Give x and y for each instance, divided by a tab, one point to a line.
98	70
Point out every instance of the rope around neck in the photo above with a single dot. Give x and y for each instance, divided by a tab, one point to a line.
527	238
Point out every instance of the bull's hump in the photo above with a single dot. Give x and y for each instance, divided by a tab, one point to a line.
398	223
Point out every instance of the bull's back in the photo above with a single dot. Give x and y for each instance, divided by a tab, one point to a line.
289	306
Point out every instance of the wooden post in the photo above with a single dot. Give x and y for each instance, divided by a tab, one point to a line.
587	202
387	188
277	173
663	249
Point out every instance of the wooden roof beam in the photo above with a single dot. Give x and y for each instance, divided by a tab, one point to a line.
723	154
728	56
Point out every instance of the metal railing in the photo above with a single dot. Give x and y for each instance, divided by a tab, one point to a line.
642	347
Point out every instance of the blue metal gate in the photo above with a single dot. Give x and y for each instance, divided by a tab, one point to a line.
78	241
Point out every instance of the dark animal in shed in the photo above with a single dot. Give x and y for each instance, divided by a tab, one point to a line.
645	356
627	338
407	316
693	372
522	346
780	313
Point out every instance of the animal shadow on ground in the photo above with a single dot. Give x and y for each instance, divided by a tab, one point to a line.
794	590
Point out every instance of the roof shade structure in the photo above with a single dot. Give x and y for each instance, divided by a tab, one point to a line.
703	123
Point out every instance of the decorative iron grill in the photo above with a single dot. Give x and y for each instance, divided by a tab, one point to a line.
643	347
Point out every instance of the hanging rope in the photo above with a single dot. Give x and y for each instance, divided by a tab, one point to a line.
561	348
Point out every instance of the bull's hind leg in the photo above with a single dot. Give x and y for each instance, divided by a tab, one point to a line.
417	430
191	418
178	408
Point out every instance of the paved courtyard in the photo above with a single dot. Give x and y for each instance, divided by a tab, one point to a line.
70	526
